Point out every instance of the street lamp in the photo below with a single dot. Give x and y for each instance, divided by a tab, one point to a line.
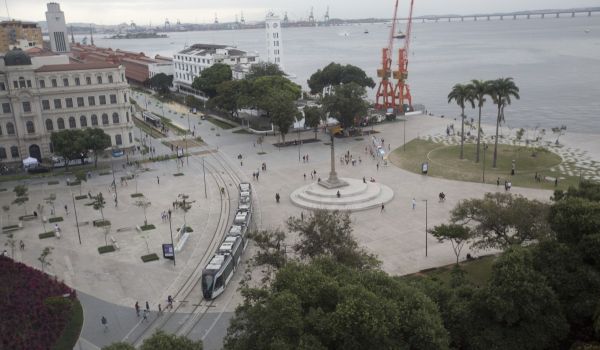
425	200
76	219
404	128
171	229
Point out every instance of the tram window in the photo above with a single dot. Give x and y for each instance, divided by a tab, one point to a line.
219	282
207	282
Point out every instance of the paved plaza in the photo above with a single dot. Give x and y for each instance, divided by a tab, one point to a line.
111	283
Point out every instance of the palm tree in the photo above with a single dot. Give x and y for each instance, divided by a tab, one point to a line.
501	91
479	88
461	94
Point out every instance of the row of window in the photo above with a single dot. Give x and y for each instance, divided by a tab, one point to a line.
23	83
60	123
193	59
91	101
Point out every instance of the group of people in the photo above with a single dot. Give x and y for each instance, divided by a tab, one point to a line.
164	216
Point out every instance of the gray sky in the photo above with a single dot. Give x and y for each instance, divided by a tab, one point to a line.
195	11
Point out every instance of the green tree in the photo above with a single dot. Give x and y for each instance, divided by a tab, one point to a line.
11	242
335	74
264	69
99	203
270	252
346	103
462	94
69	144
327	305
144	204
22	197
501	91
501	220
260	90
282	110
313	116
160	341
458	235
96	140
44	257
518	310
211	77
574	218
81	176
119	346
329	233
231	96
161	83
479	89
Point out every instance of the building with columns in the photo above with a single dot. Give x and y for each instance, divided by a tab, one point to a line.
274	40
39	95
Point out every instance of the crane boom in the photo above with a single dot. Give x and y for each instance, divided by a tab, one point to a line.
402	94
385	92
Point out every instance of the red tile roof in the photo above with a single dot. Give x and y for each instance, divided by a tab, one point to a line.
75	66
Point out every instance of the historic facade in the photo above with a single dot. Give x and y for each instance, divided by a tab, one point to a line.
40	95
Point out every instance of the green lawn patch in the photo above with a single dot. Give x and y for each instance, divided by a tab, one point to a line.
55	219
178	174
147	129
220	123
149	257
53	182
147	227
477	271
27	217
105	173
106	249
444	162
241	131
188	229
101	223
261	153
72	330
136	195
83	196
46	235
9	227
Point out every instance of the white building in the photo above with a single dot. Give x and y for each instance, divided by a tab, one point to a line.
57	29
43	94
162	65
274	40
190	62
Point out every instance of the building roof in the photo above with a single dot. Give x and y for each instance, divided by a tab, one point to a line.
202	49
75	66
16	57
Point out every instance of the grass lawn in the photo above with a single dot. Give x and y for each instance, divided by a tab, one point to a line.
136	195
221	124
55	219
242	131
70	334
147	129
147	227
444	162
478	271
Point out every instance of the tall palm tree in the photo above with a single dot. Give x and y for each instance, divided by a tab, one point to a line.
501	91
461	94
479	89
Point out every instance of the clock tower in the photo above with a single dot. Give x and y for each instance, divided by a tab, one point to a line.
274	40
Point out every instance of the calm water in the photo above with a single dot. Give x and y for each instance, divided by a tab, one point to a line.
553	61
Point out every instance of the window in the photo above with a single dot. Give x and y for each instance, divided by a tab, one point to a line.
0	130
6	108
26	106
102	99
94	120
54	83
2	153
65	82
104	119
115	118
77	81
125	97
69	102
60	123
51	147
130	138
15	84
113	99
42	84
118	140
28	83
83	121
45	105
80	102
2	87
88	80
10	128
91	100
99	78
14	152
72	123
30	127
21	82
127	115
57	103
49	125
110	79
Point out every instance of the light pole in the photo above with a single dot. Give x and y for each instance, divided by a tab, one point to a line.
114	183
426	217
404	131
171	229
76	220
204	175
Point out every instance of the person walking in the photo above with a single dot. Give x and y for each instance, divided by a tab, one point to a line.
414	203
104	322
66	209
158	180
170	302
277	197
377	166
145	316
159	310
147	306
22	245
382	207
137	309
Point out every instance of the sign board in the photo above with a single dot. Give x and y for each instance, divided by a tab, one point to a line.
168	251
425	167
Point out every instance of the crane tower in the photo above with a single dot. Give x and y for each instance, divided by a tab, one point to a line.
402	90
385	92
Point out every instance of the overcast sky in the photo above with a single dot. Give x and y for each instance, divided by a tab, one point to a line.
196	11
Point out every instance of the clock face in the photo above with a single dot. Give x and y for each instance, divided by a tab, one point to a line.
274	25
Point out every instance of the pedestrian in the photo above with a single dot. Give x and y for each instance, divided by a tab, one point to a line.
22	245
158	180
145	315
377	166
277	197
302	215
147	306
57	231
66	209
304	176
170	302
364	180
382	207
137	309
414	203
303	159
556	181
307	158
498	182
104	323
257	173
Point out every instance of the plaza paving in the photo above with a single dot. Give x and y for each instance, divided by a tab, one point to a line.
112	282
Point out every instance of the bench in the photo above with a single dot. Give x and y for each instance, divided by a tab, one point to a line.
28	217
114	242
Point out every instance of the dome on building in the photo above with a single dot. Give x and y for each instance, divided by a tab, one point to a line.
16	57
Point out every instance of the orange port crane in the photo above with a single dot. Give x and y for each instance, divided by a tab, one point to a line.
385	97
402	96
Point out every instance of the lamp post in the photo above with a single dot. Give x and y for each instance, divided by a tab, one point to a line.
76	219
204	175
404	138
172	245
426	217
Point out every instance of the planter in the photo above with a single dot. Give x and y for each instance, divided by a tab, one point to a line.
55	219
45	235
106	249
149	257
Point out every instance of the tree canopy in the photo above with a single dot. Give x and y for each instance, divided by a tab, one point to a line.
211	77
161	83
263	69
69	144
346	103
335	74
160	341
96	140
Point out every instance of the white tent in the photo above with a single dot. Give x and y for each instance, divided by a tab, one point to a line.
30	162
